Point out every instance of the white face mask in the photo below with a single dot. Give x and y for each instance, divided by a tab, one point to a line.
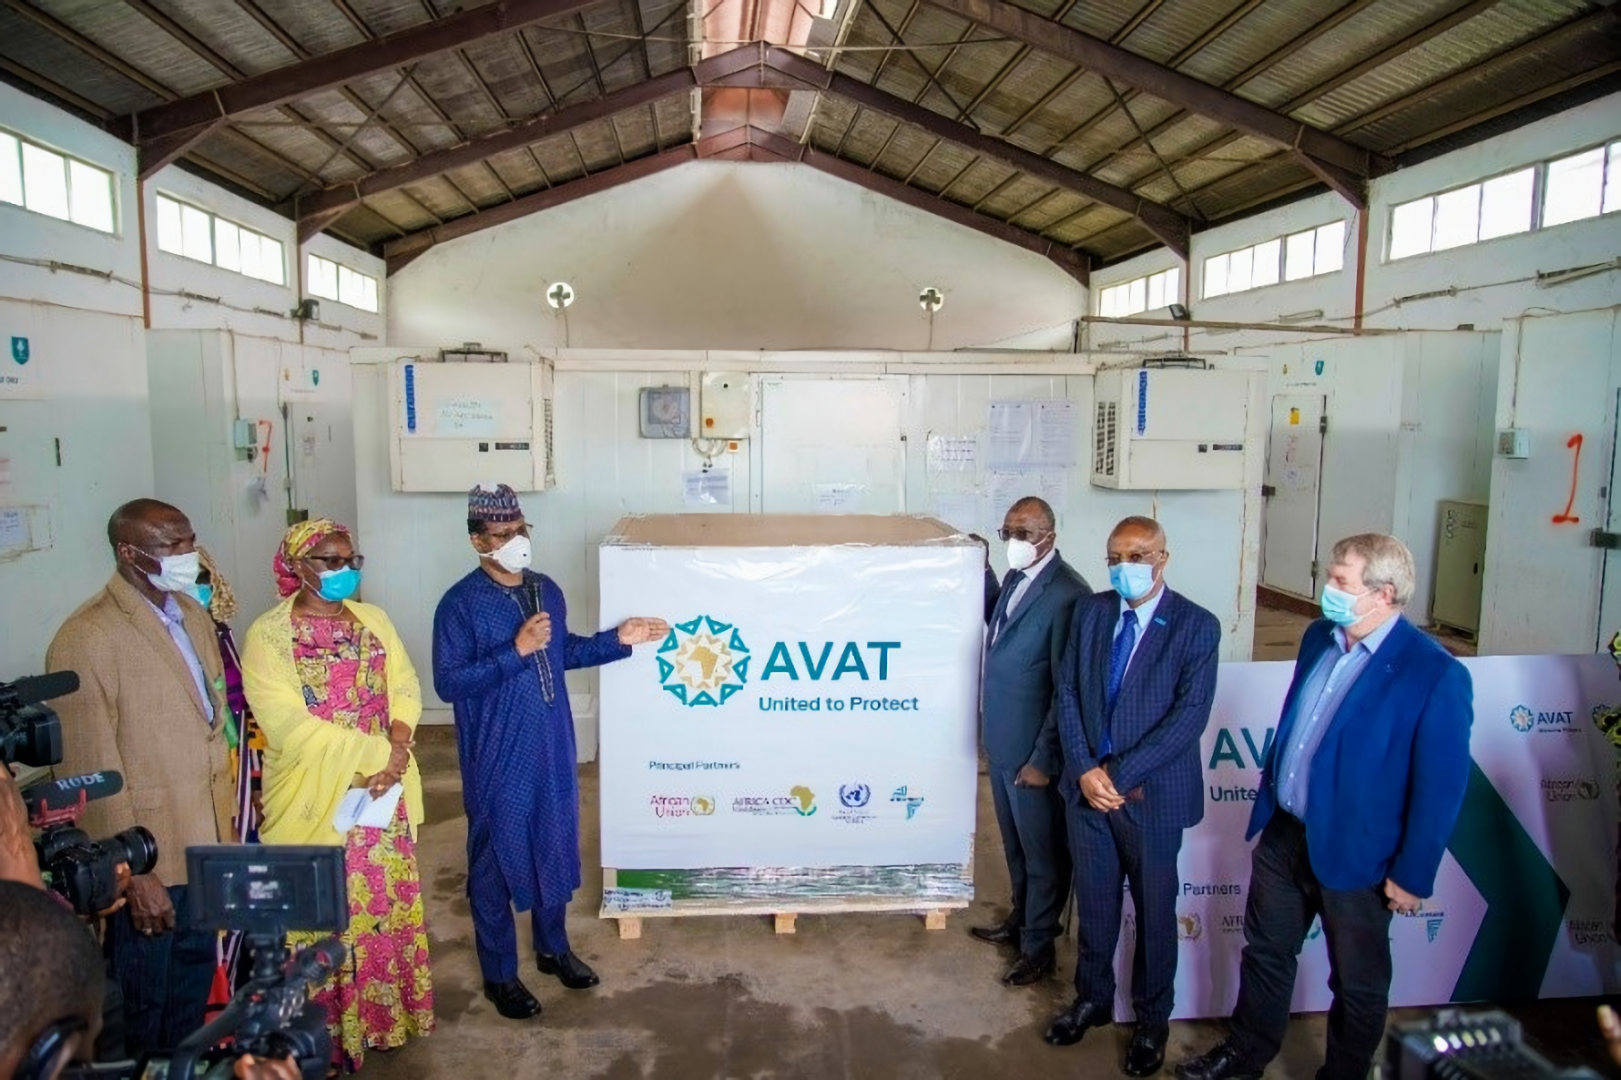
513	556
176	573
1021	554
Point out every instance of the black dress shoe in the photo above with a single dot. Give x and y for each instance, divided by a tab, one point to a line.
1223	1062
1068	1026
1031	967
1146	1055
570	970
512	999
1003	933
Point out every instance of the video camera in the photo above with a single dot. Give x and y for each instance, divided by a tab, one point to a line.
83	870
31	734
1453	1045
263	891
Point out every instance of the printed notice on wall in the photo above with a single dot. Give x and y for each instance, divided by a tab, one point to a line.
1003	488
466	417
838	498
703	488
952	453
13	529
1030	434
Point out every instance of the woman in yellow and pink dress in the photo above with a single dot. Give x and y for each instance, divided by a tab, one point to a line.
338	700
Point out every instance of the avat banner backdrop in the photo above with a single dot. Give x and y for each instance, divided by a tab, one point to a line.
812	706
1525	899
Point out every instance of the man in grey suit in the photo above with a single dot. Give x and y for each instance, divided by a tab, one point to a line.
1028	619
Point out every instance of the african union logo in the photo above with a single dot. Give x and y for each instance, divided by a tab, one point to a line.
1189	927
703	805
854	796
1522	718
703	662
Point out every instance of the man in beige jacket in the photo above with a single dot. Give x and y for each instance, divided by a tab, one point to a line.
151	704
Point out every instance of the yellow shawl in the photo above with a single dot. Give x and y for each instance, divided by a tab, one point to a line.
310	764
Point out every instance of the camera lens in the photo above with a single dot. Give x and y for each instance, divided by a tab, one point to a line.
135	846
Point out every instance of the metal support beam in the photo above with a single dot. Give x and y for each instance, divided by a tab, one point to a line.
1317	149
401	252
1073	263
196	115
1170	227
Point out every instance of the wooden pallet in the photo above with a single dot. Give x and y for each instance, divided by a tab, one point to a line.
784	922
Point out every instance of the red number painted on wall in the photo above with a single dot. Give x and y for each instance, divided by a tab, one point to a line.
1565	517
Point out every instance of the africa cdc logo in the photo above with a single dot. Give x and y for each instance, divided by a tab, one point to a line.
1522	718
703	662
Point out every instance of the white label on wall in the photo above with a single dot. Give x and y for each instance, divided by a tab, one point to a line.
466	417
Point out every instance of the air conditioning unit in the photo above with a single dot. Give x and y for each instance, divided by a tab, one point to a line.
454	425
1168	429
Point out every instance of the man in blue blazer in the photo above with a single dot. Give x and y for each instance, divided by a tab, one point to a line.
1027	622
1356	806
1134	696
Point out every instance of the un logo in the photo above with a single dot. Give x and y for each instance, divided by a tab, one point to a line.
855	796
703	662
1522	718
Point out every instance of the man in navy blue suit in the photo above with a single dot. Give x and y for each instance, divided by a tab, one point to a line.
1356	806
1027	619
1134	697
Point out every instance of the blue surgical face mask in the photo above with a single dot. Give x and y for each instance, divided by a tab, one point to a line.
1132	580
1339	606
339	584
203	594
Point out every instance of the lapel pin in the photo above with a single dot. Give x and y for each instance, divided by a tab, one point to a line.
1158	621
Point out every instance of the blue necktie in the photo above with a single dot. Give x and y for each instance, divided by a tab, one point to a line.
1003	602
1119	657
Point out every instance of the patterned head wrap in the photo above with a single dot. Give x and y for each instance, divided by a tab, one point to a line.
222	604
496	503
300	540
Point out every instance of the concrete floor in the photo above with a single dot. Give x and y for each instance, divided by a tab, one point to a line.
856	996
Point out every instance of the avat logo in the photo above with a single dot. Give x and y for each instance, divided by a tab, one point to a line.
1525	720
1565	789
703	662
1248	749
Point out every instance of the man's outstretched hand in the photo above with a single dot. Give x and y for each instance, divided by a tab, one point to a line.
640	629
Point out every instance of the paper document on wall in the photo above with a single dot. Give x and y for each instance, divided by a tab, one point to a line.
707	488
838	498
13	528
358	808
952	453
1031	434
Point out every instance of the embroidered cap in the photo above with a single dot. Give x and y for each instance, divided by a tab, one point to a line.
494	503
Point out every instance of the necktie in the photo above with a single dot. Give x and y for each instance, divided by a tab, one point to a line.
1119	657
1003	602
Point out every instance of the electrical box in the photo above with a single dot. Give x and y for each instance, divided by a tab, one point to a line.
1169	429
1460	556
666	412
725	406
454	425
1514	443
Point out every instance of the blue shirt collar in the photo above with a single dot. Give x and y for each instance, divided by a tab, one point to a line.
1373	640
1145	611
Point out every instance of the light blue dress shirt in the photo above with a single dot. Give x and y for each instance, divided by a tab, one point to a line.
173	621
1320	698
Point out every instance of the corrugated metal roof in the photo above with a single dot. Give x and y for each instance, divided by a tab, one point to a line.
1385	73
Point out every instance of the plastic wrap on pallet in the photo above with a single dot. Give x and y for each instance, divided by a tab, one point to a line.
814	707
789	886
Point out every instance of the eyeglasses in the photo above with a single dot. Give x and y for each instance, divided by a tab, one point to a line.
1005	535
507	534
1134	558
337	562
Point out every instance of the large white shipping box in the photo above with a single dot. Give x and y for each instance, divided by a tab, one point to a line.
807	731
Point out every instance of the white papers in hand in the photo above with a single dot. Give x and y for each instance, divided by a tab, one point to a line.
359	808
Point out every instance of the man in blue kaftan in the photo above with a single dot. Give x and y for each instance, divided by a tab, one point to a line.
500	647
